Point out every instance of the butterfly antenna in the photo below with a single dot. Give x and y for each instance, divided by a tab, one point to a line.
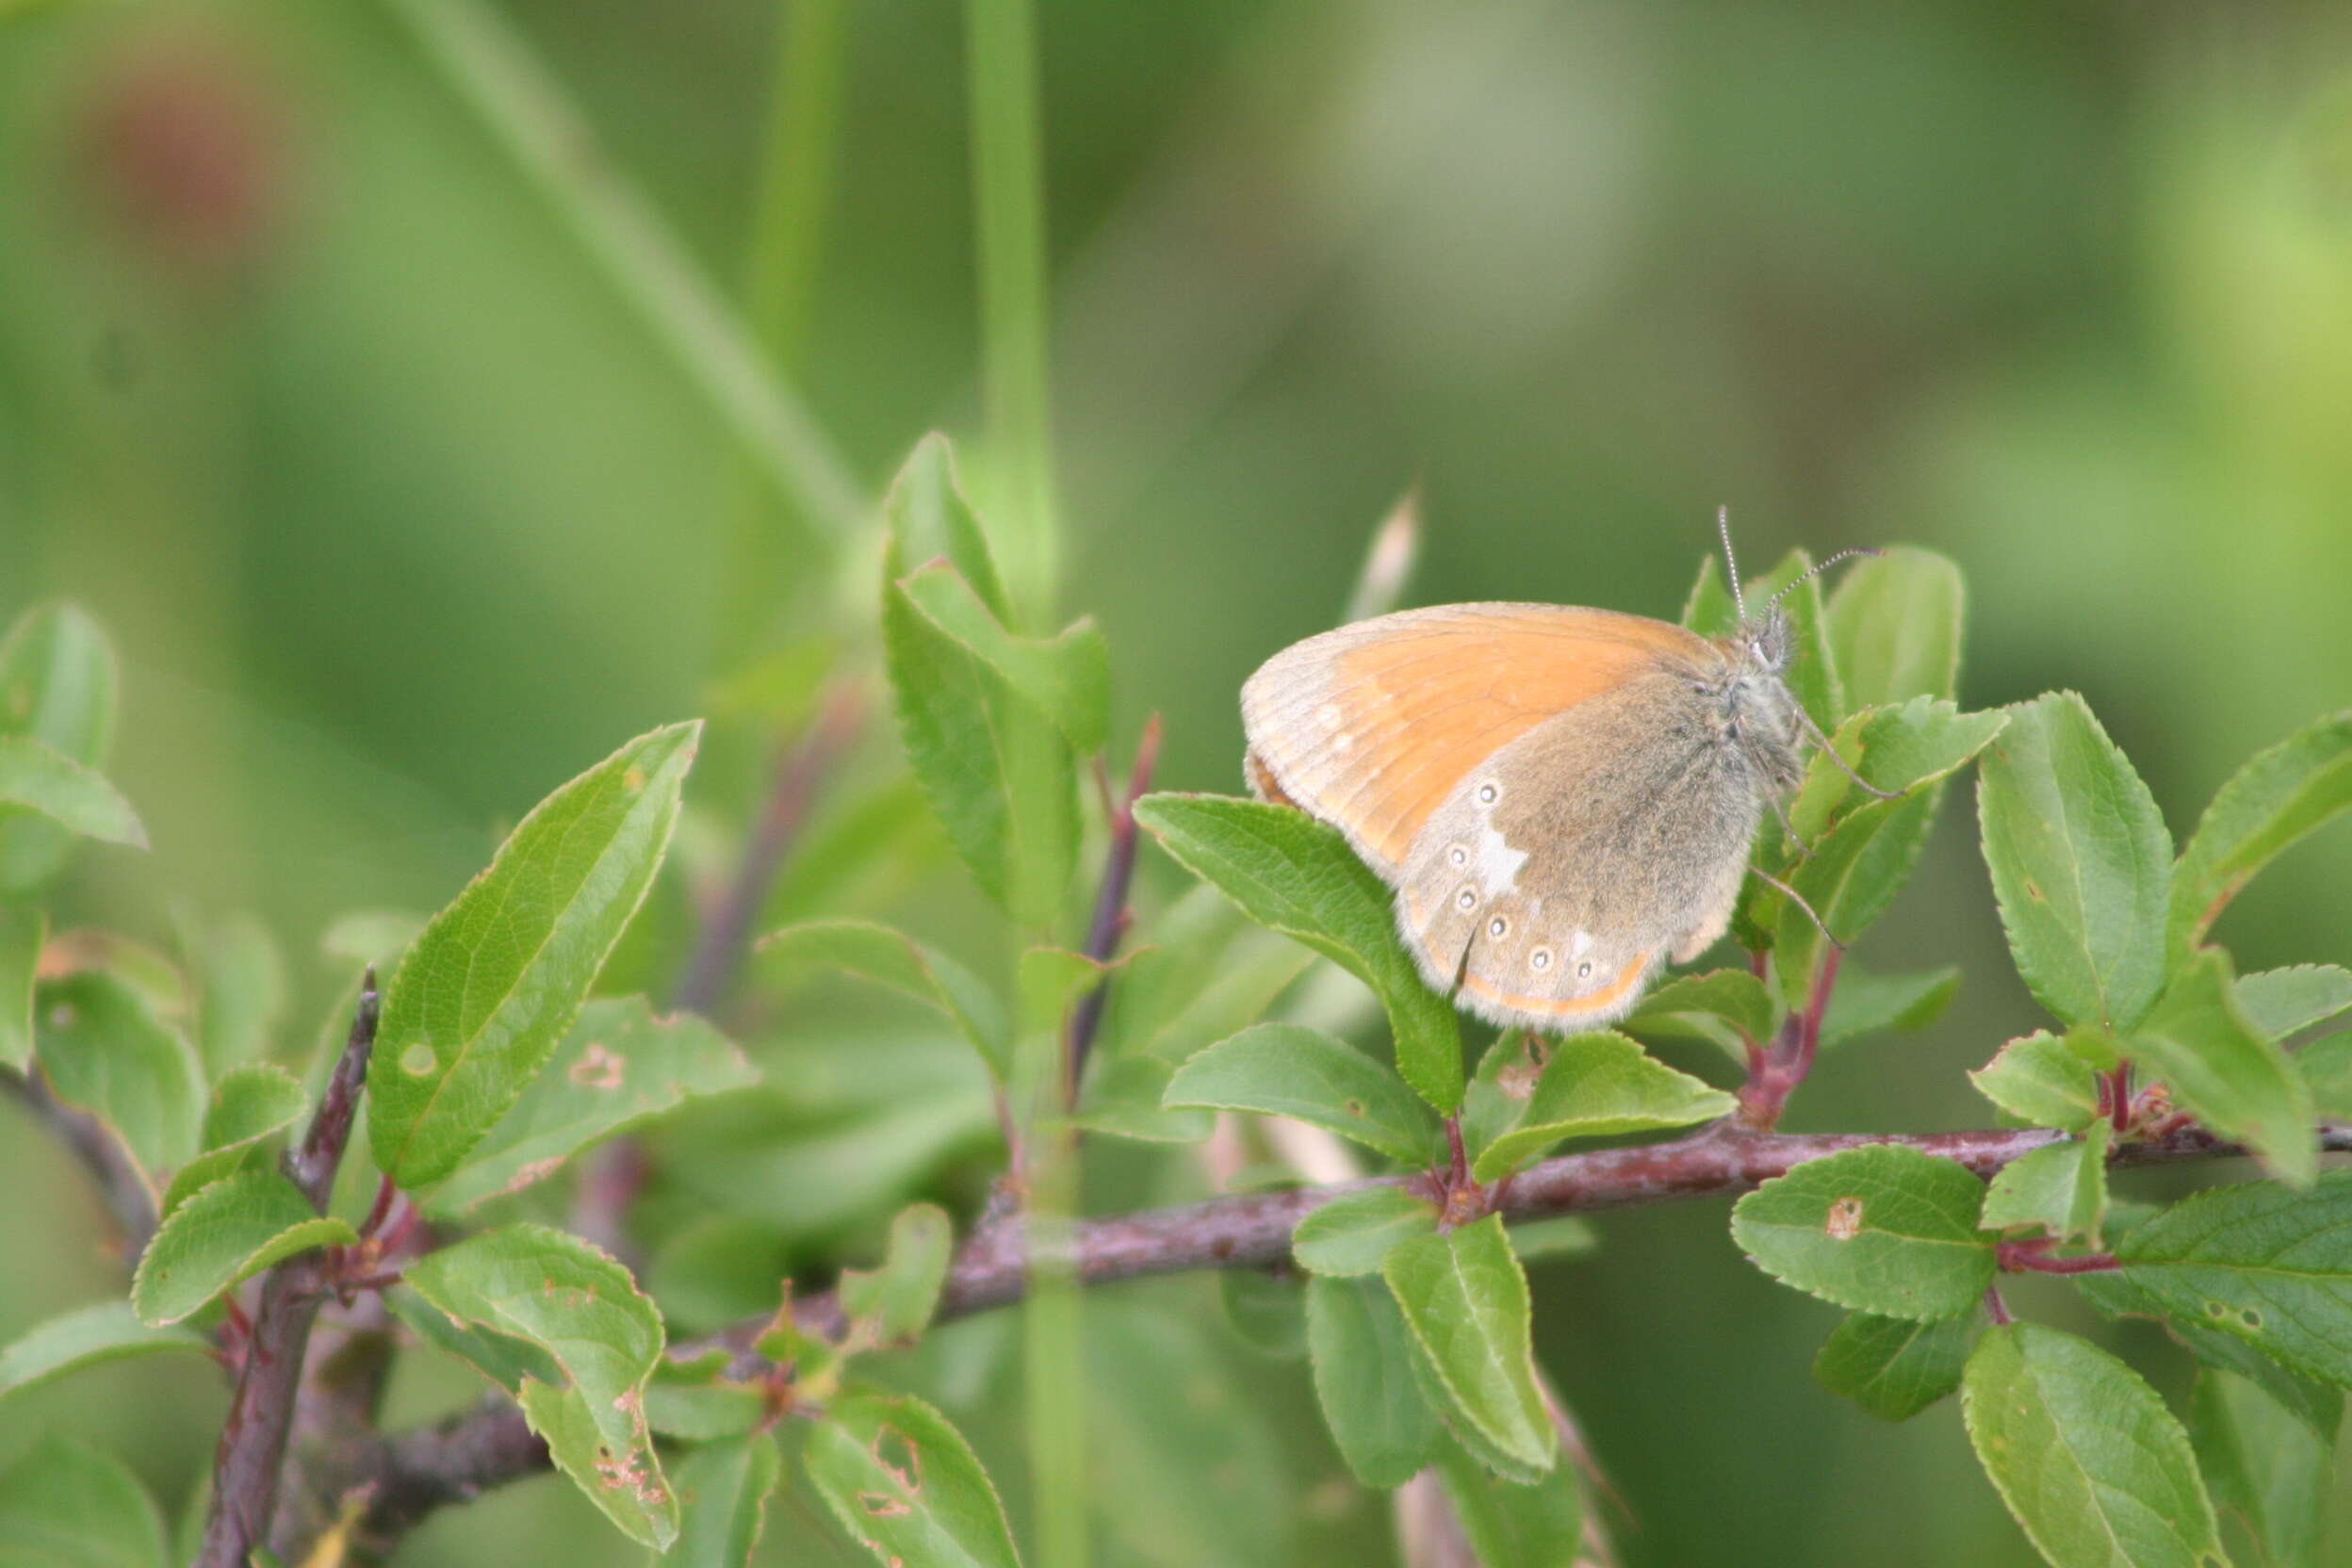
1843	766
1818	570
1731	562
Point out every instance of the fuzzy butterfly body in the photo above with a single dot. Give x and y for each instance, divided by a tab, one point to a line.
1562	799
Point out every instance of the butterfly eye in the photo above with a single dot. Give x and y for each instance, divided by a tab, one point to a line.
1486	794
1459	856
1497	927
1467	898
1584	970
1540	959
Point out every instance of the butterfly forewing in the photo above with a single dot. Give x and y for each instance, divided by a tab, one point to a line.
1372	727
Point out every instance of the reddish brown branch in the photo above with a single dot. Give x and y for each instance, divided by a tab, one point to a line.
1109	924
261	1415
467	1455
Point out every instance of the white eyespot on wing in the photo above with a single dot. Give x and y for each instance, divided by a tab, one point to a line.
1498	863
1580	944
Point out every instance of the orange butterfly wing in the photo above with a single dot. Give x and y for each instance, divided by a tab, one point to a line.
1370	727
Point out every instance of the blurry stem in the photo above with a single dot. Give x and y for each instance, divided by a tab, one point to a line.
1110	906
415	1472
791	196
804	766
253	1446
795	177
494	72
1009	200
120	1182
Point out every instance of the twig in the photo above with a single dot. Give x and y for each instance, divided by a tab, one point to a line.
1110	908
253	1439
804	765
416	1472
1773	1075
121	1182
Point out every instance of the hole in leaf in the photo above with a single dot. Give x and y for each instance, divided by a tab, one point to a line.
2251	1317
895	1452
1355	1107
1845	1220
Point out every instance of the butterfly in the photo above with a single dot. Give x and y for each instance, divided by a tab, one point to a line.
1564	799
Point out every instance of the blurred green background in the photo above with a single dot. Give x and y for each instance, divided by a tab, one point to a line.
403	507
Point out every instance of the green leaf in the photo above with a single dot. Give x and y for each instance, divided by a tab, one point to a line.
1297	875
1597	1086
926	515
1352	1234
999	774
2061	1187
581	1310
723	1488
2080	860
698	1401
23	929
66	1505
58	686
249	1104
2040	1080
2327	1067
2279	796
1284	1069
1881	1228
1123	1099
103	1050
38	779
503	1359
240	978
907	1486
1068	679
2262	1261
1864	848
1268	1313
617	1068
2282	1002
1894	624
488	990
2226	1072
227	1232
1510	1523
2264	1466
1865	1004
1464	1296
892	1305
2086	1455
1727	1007
1891	1367
86	1336
1363	1377
893	959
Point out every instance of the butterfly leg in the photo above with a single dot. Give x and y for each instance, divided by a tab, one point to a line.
1798	899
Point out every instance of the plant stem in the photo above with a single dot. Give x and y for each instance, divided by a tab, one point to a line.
1009	200
120	1182
253	1441
494	72
416	1472
1109	924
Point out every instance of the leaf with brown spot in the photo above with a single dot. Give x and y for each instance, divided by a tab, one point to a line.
905	1485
